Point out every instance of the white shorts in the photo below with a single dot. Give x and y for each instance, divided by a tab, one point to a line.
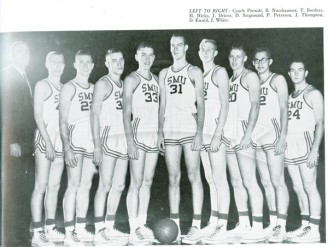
55	139
208	132
298	147
266	135
145	135
179	129
114	142
81	138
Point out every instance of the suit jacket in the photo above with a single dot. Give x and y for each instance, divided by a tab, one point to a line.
18	123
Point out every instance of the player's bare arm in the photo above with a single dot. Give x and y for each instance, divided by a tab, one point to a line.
162	102
279	83
101	91
252	82
41	92
315	99
65	98
221	78
196	75
130	84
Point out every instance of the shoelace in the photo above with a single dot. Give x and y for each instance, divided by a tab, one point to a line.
216	232
306	230
57	232
296	230
43	237
138	233
191	231
276	230
74	236
103	234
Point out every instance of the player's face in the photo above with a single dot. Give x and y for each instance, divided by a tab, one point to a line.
178	48
297	72
145	57
261	62
56	65
83	65
207	52
21	55
115	63
237	58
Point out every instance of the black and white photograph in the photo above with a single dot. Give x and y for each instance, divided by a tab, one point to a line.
207	132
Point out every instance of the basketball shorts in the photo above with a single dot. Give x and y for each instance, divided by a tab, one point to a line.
145	134
179	129
55	139
266	135
114	142
298	147
233	134
208	132
81	138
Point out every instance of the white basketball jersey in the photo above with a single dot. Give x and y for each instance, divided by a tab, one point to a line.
145	102
50	112
80	104
300	113
180	92
111	111
211	94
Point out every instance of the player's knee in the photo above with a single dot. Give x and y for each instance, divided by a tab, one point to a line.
278	182
104	187
119	187
193	176
147	182
236	182
85	186
40	188
53	187
309	187
209	179
174	180
266	183
299	189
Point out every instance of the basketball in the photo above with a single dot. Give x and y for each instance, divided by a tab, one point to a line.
166	231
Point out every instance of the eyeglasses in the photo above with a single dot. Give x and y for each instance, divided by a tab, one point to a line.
261	61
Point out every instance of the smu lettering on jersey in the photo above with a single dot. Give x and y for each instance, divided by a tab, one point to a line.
300	113
111	111
80	104
50	111
180	92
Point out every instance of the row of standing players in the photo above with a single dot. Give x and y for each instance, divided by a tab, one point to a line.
239	123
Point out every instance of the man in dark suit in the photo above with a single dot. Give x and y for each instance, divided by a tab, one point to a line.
17	146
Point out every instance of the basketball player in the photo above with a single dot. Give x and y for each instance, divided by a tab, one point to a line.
305	131
244	98
141	98
216	95
110	152
181	86
49	161
271	128
74	122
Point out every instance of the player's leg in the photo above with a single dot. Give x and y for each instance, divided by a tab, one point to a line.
240	195
82	199
309	179
192	159
51	199
42	167
213	192
277	168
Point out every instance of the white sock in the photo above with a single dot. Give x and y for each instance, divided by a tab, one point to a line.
244	220
69	229
133	224
109	224
142	219
99	226
35	230
213	220
49	227
80	226
273	220
223	223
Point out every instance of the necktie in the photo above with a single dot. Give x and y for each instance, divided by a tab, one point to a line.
28	83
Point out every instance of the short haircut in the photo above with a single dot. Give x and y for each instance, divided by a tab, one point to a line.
113	50
53	53
181	36
83	53
144	45
212	41
13	46
263	49
238	47
298	60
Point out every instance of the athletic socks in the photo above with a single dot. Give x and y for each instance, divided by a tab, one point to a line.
244	218
109	221
142	219
257	222
50	224
37	226
223	221
214	218
281	220
305	219
273	217
80	223
175	218
196	220
314	222
134	224
99	223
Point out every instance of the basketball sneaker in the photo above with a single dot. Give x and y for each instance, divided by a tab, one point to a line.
39	240
294	233
192	237
71	239
136	238
253	236
146	232
207	231
279	235
113	233
84	235
307	236
217	237
239	231
268	231
54	235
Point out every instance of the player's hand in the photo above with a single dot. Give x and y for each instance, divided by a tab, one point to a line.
97	156
70	158
197	142
245	142
133	151
280	146
50	152
215	143
313	159
15	150
160	144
